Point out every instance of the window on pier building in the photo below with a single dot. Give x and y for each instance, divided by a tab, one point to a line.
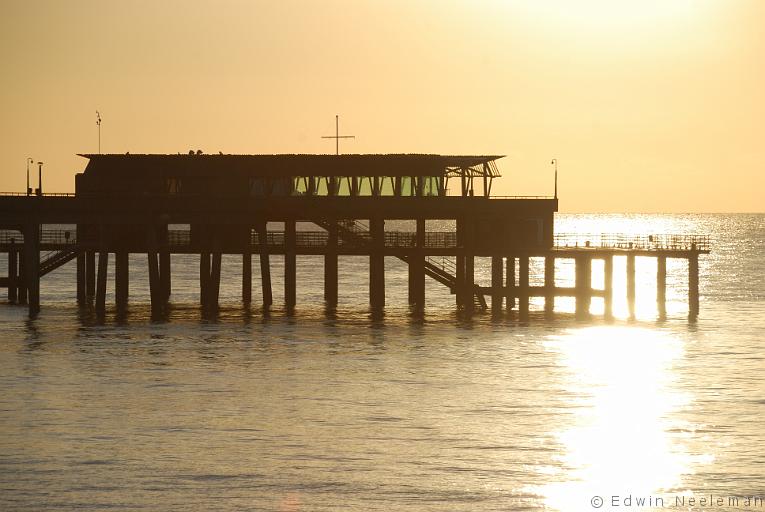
269	186
344	185
173	186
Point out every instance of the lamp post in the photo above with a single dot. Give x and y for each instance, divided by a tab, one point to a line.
30	160
555	163
98	122
39	178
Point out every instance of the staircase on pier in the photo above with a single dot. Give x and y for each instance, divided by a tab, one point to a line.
442	270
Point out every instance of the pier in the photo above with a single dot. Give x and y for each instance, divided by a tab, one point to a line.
230	204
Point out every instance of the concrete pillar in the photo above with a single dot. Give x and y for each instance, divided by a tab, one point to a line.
549	285
459	279
13	268
121	278
469	304
510	282
290	264
608	286
330	267
693	285
165	275
523	288
157	299
90	274
416	262
32	266
81	262
497	270
246	275
214	288
631	284
103	265
204	278
22	286
661	286
583	286
265	265
377	263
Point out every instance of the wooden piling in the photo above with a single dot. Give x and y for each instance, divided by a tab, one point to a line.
497	269
155	292
523	287
549	285
608	286
165	275
469	305
22	281
693	285
459	280
214	288
290	264
661	285
121	278
631	284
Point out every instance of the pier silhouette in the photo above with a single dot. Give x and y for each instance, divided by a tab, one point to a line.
128	204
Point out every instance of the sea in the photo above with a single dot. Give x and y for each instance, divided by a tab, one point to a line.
325	410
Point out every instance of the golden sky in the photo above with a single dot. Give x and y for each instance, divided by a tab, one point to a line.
648	105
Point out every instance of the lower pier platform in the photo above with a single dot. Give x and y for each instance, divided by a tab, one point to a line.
441	256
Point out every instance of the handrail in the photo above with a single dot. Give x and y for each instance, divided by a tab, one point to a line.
662	241
46	194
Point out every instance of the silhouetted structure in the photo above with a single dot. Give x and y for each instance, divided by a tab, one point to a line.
125	204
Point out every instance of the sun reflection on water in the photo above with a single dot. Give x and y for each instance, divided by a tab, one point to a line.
623	436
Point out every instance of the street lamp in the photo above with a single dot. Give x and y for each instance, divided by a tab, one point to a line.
555	163
30	160
39	178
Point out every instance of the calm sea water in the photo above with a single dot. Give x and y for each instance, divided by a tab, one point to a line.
345	412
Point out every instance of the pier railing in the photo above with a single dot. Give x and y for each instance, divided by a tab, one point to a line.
407	239
658	242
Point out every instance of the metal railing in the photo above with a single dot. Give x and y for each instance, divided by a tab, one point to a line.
46	194
355	235
657	242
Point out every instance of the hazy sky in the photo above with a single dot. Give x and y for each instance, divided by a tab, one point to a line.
648	105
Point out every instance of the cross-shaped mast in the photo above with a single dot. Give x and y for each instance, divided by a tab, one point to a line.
337	135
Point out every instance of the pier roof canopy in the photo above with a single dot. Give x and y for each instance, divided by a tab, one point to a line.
282	165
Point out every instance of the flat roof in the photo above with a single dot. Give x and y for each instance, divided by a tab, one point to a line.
283	165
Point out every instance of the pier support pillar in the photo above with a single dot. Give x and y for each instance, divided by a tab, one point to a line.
290	265
523	288
377	264
247	275
469	305
164	263
549	285
22	282
631	284
13	269
510	282
583	286
121	279
81	295
265	265
154	279
330	267
693	285
608	286
103	266
90	274
497	269
204	278
417	268
459	281
661	286
214	287
32	266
